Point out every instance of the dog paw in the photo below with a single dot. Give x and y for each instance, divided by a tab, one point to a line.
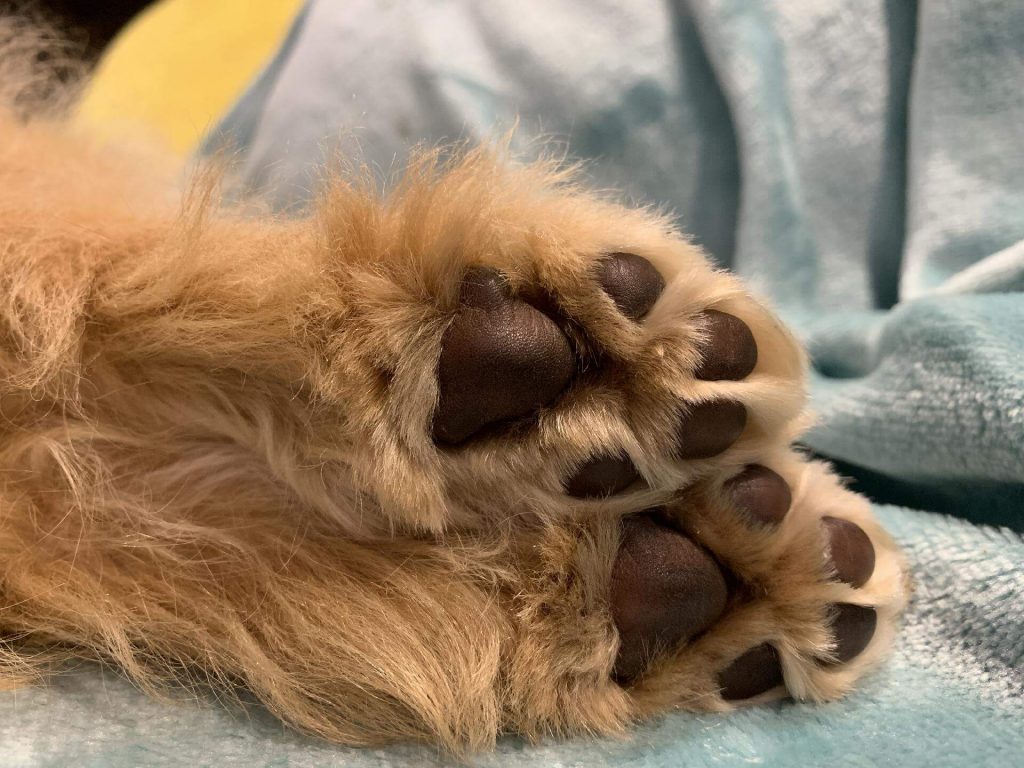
535	359
587	357
774	581
606	385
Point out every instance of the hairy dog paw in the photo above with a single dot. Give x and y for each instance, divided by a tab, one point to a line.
775	581
535	342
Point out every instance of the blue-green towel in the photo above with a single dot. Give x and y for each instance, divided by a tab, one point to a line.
861	163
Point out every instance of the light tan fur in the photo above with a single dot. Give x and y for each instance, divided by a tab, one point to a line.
216	465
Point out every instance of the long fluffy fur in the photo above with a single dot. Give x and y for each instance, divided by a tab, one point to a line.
215	466
180	491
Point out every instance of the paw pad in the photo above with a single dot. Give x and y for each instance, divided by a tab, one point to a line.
501	359
852	627
760	495
632	282
708	429
603	476
756	671
850	551
730	352
665	590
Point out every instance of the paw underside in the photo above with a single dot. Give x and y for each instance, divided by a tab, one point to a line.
759	574
491	454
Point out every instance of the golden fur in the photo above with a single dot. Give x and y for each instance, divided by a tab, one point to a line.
216	465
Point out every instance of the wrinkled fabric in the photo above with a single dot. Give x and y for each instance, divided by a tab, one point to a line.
861	164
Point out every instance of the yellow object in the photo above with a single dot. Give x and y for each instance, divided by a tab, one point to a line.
180	65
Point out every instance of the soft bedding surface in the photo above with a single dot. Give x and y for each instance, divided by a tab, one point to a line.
861	163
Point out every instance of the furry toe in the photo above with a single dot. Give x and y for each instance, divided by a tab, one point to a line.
632	282
850	551
730	353
760	494
757	671
708	429
852	627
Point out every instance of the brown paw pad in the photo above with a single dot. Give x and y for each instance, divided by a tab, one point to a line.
852	627
729	352
632	282
850	550
501	359
602	476
665	590
760	495
756	671
708	429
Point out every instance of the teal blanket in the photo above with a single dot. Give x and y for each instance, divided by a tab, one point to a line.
860	162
